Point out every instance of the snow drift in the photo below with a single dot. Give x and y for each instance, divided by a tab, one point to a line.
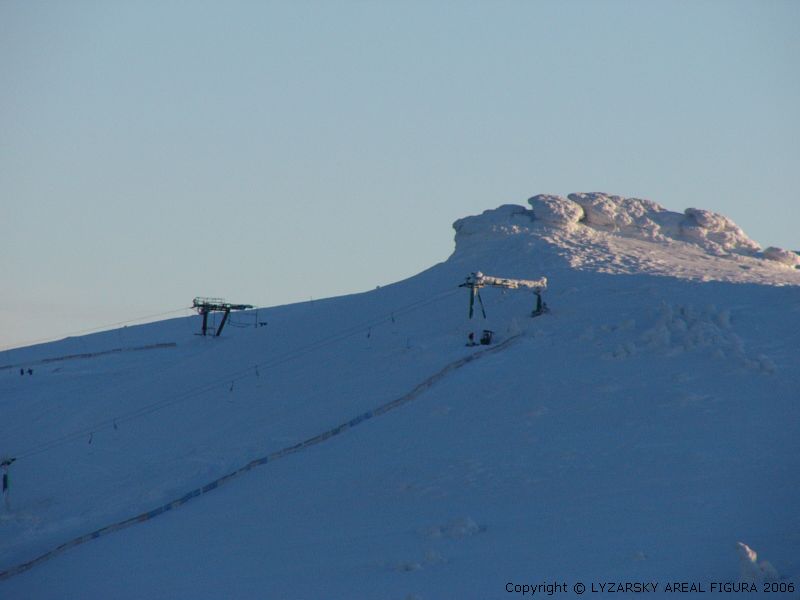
637	431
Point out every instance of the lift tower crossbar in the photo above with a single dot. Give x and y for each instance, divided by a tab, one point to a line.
207	305
475	281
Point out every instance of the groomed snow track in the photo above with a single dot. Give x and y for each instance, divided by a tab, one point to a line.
85	355
317	439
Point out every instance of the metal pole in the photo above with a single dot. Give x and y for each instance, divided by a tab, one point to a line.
225	318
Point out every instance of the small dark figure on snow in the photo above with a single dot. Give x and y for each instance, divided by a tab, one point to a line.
541	306
471	339
22	371
30	371
5	463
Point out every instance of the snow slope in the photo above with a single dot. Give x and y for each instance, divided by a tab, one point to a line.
637	432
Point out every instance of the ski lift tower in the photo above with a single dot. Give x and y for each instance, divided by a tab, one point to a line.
207	305
475	281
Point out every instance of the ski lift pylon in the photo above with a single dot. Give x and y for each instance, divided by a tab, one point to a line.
475	281
207	305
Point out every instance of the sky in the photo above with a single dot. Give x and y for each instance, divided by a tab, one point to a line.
274	152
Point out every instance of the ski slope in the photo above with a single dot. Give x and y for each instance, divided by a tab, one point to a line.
637	432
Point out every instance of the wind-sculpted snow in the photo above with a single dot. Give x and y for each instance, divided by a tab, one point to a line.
651	414
672	329
555	210
753	570
715	233
614	234
508	219
786	257
650	221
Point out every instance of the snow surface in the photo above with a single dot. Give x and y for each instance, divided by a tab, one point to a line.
644	429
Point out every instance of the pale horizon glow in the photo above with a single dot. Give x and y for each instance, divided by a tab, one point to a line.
271	152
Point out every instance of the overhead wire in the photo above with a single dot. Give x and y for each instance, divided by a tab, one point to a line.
257	462
229	378
92	329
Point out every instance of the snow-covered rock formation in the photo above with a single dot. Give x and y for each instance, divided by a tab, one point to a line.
600	231
358	448
751	569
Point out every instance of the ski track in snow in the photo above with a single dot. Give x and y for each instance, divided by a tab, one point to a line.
317	439
647	427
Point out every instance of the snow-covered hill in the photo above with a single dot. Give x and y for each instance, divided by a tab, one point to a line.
639	431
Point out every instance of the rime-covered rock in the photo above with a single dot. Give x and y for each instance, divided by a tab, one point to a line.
503	221
716	233
603	210
615	234
751	570
785	257
555	210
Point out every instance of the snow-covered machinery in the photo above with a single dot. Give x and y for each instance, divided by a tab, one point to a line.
475	281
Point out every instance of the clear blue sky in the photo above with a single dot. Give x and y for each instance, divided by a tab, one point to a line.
268	152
